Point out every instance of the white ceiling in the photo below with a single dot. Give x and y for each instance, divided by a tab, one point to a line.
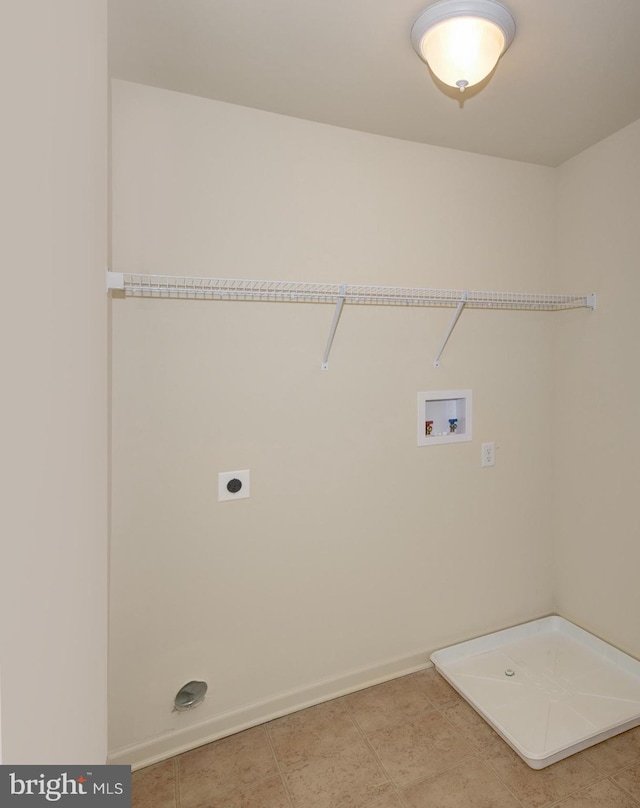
570	78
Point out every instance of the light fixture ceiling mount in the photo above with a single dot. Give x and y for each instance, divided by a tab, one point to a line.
462	40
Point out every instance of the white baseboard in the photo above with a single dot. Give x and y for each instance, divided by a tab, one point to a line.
167	745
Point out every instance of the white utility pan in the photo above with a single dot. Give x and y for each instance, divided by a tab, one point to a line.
549	688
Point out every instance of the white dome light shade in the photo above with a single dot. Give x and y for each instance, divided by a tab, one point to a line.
462	40
463	50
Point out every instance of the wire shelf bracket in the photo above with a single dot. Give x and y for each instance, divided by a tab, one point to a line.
194	288
334	326
454	320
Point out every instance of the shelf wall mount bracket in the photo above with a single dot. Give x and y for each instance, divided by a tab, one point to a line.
334	325
452	325
114	280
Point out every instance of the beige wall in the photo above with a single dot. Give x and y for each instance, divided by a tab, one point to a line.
54	335
358	553
597	389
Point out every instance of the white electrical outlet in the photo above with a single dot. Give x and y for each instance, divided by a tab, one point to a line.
488	454
233	485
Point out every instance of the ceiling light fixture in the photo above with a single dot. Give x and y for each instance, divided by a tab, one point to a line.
462	40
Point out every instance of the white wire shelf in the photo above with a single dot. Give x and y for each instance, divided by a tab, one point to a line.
185	287
181	287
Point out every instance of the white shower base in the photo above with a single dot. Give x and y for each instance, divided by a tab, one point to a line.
563	691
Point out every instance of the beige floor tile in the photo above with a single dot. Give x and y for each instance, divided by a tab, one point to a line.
219	768
390	801
538	789
473	728
616	753
490	745
629	779
427	741
268	794
420	748
435	688
601	795
350	776
388	704
155	786
311	733
470	785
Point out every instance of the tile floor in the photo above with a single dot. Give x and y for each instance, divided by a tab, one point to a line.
409	743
